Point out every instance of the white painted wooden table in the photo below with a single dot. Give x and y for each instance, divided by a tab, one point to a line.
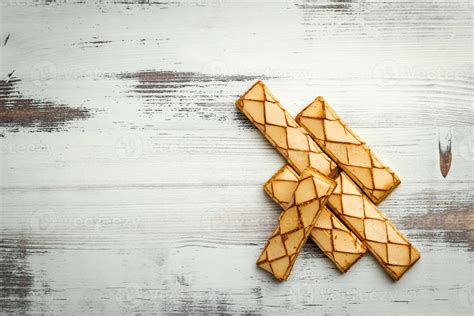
130	183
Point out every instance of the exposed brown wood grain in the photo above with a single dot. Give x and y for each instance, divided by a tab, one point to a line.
185	93
16	278
324	6
17	111
454	226
6	40
445	153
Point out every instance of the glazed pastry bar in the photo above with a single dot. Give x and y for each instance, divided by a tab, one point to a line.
348	150
295	223
281	129
337	242
391	249
349	203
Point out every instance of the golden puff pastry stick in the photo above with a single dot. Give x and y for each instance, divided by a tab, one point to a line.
396	268
281	129
295	223
348	150
391	249
337	242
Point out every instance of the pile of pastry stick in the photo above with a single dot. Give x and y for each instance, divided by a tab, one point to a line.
328	190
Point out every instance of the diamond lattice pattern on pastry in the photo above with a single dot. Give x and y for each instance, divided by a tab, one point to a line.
336	241
350	205
281	129
348	150
295	223
393	251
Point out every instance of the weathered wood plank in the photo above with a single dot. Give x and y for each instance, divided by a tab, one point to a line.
122	187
